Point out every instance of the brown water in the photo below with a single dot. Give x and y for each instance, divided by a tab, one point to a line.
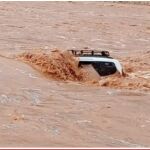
62	66
57	65
41	111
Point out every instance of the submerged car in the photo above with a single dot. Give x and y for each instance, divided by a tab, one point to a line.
100	61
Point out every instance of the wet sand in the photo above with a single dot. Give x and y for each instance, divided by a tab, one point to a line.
39	111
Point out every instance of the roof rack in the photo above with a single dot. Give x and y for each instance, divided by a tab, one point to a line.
89	53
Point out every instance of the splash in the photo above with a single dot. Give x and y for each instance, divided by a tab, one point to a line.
62	66
55	64
136	74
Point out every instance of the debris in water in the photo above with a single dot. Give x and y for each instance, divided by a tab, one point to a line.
16	116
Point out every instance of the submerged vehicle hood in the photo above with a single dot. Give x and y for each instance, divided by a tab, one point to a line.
103	59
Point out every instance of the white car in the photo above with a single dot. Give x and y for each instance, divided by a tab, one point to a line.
100	60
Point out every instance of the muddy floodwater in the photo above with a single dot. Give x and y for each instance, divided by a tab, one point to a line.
41	111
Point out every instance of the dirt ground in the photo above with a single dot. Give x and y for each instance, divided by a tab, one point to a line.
41	112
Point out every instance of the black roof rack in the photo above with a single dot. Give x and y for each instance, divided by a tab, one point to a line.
89	53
